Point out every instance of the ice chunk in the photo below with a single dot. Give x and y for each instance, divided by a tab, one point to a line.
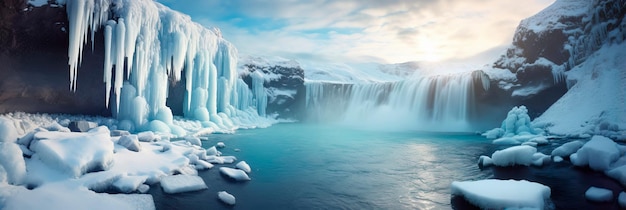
226	197
484	161
598	154
7	130
501	194
130	142
220	145
119	133
128	184
599	194
144	188
618	173
622	199
236	174
203	165
212	151
517	155
567	149
13	162
540	159
193	140
76	153
182	183
243	166
558	159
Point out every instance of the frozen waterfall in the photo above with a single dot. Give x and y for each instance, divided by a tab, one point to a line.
433	103
147	47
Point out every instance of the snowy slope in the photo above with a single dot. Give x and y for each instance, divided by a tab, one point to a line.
597	95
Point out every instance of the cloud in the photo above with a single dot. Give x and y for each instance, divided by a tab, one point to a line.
390	31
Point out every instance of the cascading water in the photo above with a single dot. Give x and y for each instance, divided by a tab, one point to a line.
433	103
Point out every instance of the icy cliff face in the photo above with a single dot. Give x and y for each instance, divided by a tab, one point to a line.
142	49
282	80
147	46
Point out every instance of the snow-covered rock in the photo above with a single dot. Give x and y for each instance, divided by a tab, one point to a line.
81	126
147	136
484	161
182	183
130	142
226	197
502	194
598	154
599	194
128	184
75	154
193	140
236	174
220	145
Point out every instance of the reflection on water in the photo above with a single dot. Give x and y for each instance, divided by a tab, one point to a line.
299	166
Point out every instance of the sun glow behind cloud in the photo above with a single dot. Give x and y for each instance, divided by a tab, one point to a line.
391	31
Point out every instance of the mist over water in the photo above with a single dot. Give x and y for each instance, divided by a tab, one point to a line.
429	103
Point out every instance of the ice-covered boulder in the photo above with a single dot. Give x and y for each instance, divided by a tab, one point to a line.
226	197
13	163
484	161
598	154
75	153
130	142
147	136
81	126
119	133
236	174
599	194
182	183
517	155
502	194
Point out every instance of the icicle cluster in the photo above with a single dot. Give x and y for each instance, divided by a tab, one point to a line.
147	44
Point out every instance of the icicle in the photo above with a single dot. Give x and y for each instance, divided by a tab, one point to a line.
120	32
108	37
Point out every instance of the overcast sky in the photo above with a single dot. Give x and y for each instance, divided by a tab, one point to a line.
385	31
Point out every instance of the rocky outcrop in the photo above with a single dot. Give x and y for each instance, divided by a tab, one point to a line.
284	84
550	43
34	70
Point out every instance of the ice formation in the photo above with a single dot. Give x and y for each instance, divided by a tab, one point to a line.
515	129
503	194
599	153
243	166
147	45
439	102
236	174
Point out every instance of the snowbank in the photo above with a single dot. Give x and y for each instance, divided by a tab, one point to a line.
594	103
501	194
77	154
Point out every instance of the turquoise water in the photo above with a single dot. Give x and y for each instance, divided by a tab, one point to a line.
302	166
308	166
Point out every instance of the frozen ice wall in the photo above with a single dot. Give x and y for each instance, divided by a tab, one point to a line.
147	46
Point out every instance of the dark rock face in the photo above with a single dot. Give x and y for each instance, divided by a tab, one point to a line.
81	126
34	75
540	55
286	91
